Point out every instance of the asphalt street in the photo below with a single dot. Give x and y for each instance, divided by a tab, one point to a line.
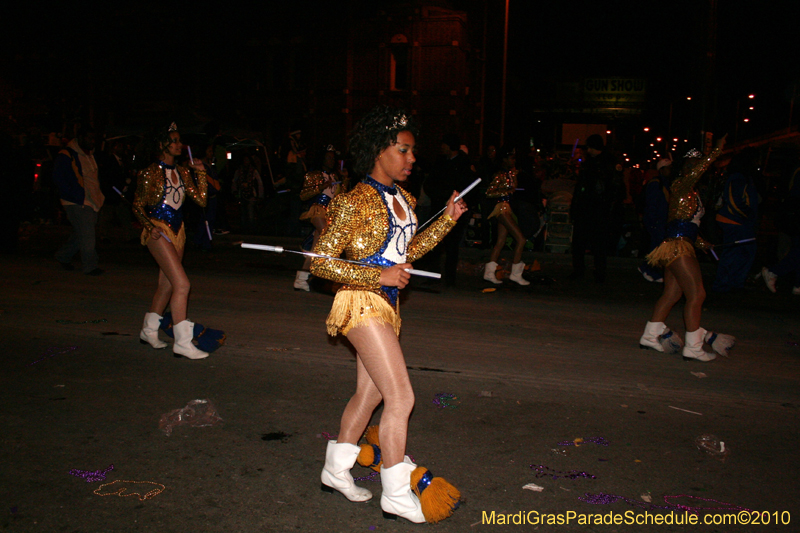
525	372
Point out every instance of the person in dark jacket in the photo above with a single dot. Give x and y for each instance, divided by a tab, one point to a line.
598	192
738	219
656	208
75	175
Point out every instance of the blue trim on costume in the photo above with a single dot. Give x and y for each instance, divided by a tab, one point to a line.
424	481
321	199
682	228
505	198
165	212
377	258
376	453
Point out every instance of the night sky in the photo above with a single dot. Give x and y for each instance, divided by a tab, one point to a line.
154	50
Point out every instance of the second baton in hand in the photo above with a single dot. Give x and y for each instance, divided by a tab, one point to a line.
458	198
281	249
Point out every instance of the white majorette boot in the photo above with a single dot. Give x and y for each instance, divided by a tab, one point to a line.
489	273
693	349
184	333
660	338
339	459
516	273
721	343
770	279
301	281
149	333
398	499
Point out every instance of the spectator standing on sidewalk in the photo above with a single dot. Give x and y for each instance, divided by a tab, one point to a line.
76	177
598	193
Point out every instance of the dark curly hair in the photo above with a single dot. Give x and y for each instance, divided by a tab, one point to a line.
159	139
376	131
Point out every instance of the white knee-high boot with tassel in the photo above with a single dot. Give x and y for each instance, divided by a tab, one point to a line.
490	273
339	459
149	333
398	499
184	333
516	273
693	349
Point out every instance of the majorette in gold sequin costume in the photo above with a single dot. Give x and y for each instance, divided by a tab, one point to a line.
502	187
359	224
151	208
315	185
685	212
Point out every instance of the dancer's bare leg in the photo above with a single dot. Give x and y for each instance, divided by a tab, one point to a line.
173	284
502	235
519	239
686	270
319	225
672	293
359	409
385	368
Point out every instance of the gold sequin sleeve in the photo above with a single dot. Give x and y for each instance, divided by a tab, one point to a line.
196	190
424	241
149	185
313	184
503	184
346	221
683	199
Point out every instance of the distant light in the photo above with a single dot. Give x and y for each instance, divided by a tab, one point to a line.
651	144
751	108
751	96
608	132
230	155
673	148
36	176
686	140
688	97
627	159
747	120
675	139
39	164
647	129
658	139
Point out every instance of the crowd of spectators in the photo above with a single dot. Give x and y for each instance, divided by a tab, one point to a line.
617	206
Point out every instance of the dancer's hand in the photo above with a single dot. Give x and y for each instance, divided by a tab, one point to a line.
455	210
198	165
155	234
396	276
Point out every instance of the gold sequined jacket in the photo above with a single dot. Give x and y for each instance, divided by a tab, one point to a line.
684	200
313	184
150	189
503	184
358	225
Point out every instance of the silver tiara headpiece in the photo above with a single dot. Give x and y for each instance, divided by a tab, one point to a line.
694	152
398	122
172	127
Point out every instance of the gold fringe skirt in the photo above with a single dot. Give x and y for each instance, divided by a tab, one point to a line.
499	209
352	308
178	240
669	250
315	211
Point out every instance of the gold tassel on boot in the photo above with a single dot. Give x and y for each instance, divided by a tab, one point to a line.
370	454
437	497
